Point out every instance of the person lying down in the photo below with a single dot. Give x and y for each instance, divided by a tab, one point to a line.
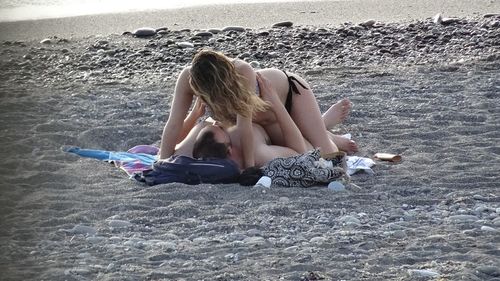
211	139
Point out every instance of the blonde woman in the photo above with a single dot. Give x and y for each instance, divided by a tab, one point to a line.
230	90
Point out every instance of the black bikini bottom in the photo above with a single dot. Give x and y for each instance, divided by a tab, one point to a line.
291	89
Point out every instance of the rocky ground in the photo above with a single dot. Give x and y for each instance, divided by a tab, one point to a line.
426	90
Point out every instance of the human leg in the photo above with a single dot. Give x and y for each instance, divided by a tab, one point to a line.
306	114
337	113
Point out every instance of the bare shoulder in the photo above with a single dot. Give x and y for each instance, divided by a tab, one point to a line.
243	68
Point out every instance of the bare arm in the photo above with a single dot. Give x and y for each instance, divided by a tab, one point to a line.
190	121
291	133
244	125
183	98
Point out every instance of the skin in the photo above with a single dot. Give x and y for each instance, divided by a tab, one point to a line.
305	114
264	151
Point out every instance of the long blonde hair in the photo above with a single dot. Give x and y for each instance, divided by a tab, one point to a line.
215	79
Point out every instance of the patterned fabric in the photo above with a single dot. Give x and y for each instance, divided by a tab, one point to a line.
303	170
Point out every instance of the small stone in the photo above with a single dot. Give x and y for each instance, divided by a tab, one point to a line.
489	270
82	229
185	45
423	273
463	218
119	223
110	267
283	24
399	234
488	229
350	220
214	30
204	34
162	29
46	41
234	28
144	32
159	257
368	23
255	241
447	21
95	239
317	240
490	15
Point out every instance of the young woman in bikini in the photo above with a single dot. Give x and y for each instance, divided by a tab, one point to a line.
230	90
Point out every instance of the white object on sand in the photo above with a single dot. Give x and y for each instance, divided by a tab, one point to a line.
264	181
356	163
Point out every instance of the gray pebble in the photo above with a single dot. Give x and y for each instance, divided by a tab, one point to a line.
368	23
82	229
349	220
489	270
214	30
463	218
144	32
423	273
204	34
234	28
488	229
119	223
185	45
283	24
162	29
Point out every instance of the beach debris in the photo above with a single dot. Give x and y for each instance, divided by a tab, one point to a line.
336	186
283	24
184	45
387	157
144	32
46	41
234	28
437	19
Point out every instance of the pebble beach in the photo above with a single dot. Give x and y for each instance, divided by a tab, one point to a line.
426	89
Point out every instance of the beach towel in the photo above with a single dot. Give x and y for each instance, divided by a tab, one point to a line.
140	163
135	160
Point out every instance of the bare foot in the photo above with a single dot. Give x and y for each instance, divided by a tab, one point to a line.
345	144
337	113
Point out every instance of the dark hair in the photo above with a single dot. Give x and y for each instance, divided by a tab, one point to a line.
207	147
